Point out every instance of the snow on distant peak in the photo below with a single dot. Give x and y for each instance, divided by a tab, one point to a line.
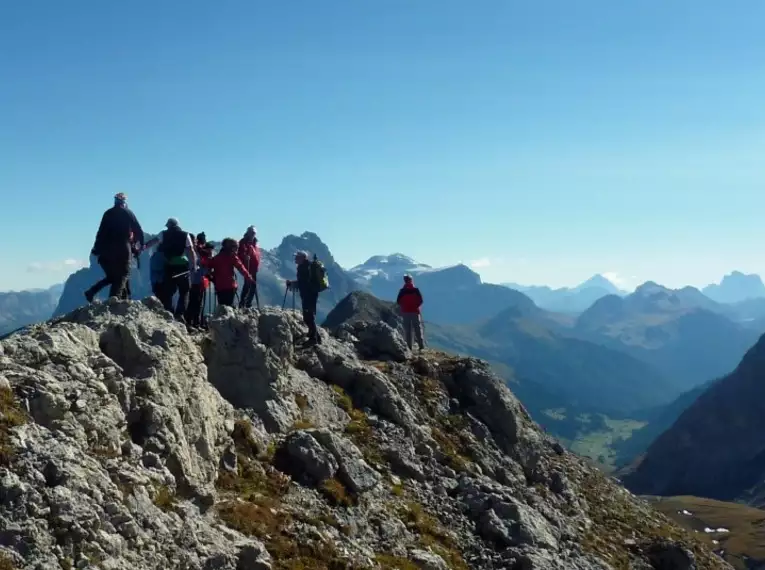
387	267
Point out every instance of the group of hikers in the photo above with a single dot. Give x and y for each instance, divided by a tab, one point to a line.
186	265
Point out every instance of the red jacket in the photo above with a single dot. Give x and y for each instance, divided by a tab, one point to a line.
205	255
222	268
249	253
409	299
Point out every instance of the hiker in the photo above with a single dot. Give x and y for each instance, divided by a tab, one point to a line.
199	281
249	253
113	247
308	283
180	259
409	301
222	271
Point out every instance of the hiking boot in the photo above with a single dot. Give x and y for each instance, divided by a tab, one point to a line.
89	295
310	342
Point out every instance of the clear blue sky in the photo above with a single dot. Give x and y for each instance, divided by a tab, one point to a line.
544	140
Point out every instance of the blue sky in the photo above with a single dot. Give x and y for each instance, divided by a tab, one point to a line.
541	141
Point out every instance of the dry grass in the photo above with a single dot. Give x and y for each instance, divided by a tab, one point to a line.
11	416
431	534
6	562
617	517
746	525
358	429
388	562
302	423
164	498
265	519
336	493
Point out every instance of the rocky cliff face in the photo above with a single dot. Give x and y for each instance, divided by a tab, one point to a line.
715	448
127	444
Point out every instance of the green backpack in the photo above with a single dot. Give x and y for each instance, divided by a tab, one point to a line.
319	275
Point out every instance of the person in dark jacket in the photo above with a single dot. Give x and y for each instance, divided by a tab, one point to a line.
249	253
113	248
409	301
222	272
180	260
309	295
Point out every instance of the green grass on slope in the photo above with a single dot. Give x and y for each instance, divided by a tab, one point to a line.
744	545
599	445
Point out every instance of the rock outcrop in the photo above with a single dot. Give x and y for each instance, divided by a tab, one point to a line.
126	443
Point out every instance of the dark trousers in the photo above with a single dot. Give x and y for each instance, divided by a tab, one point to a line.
117	272
226	297
196	299
249	291
309	302
176	280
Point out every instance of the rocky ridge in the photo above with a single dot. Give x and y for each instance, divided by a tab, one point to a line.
126	443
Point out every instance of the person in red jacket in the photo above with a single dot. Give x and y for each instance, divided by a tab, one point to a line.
249	253
222	271
409	301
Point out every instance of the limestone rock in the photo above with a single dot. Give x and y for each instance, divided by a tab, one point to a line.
129	444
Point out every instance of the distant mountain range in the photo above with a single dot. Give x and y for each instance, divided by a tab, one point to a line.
21	308
603	358
569	300
736	288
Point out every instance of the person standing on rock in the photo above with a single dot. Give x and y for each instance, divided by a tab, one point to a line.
222	271
113	248
308	288
199	282
409	301
180	259
249	253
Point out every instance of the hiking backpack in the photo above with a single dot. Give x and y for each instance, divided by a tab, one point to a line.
319	275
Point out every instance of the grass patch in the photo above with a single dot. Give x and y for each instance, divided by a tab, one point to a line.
11	416
302	423
388	562
164	498
6	562
336	493
358	429
244	440
431	534
265	520
746	538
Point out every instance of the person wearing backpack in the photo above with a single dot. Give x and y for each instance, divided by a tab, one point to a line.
409	300
311	280
180	259
249	253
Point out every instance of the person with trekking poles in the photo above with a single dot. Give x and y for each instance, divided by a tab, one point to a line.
199	282
180	260
311	280
249	253
222	274
117	235
409	301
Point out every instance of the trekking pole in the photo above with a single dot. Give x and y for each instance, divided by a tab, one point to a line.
293	299
284	302
257	297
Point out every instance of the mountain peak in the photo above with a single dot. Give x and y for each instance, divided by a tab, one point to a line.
598	281
266	448
736	287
